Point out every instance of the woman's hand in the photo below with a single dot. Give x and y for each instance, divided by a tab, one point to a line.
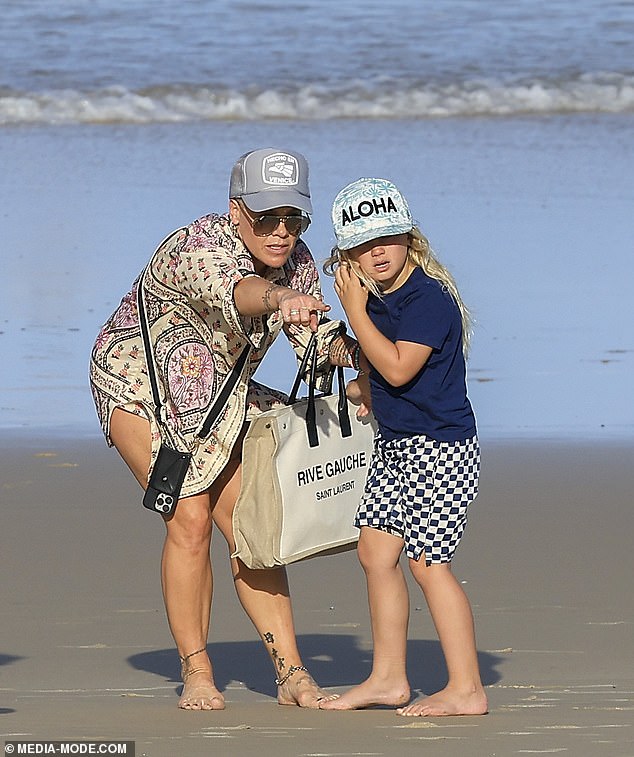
350	290
300	309
257	296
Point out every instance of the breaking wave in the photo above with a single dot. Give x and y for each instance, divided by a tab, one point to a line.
586	93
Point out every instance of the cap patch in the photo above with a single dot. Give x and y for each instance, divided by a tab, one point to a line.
280	169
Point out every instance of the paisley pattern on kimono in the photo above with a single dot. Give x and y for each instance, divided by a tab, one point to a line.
198	336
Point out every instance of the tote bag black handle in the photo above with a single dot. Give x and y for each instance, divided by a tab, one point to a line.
311	413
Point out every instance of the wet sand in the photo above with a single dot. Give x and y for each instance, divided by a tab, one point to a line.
547	562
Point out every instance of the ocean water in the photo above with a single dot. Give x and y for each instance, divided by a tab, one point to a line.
509	126
143	61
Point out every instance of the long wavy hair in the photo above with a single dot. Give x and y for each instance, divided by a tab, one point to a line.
420	254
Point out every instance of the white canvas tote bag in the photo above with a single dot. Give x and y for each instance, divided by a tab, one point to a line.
303	471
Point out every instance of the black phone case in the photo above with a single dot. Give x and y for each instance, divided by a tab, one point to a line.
167	478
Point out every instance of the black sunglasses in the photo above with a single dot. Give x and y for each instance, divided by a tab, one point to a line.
265	224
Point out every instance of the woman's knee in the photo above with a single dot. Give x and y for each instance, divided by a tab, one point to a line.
223	496
190	526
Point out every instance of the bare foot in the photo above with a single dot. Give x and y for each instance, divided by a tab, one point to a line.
199	690
369	694
301	690
447	702
200	693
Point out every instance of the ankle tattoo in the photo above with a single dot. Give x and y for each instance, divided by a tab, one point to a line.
278	661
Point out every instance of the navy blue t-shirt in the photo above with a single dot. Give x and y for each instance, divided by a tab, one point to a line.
434	402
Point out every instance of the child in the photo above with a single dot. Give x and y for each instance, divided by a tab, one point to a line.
413	330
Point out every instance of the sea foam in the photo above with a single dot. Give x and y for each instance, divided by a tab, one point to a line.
599	93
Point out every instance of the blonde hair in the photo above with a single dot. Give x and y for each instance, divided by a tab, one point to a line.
420	254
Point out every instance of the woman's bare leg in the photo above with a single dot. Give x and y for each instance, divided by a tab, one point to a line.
185	569
451	613
264	594
187	589
379	554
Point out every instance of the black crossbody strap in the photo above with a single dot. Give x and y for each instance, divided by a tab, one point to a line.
147	347
229	385
227	388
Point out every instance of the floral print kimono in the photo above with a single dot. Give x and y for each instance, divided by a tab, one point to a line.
198	336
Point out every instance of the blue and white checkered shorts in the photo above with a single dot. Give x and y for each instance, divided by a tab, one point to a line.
419	489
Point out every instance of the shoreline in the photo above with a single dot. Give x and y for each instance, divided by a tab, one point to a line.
11	435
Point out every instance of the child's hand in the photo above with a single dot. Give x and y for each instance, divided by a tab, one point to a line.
350	290
358	392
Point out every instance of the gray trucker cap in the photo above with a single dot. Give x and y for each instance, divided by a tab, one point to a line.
267	178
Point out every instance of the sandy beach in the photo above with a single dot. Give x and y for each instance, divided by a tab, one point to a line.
547	556
546	560
509	128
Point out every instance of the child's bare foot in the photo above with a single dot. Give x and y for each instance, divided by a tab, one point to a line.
447	702
369	694
301	690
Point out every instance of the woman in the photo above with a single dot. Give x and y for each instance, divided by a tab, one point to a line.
213	289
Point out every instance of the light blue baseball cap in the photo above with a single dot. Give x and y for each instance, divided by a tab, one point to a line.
368	209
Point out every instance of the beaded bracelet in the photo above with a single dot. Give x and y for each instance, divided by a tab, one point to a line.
355	357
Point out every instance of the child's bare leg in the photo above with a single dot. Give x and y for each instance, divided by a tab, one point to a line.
452	616
387	684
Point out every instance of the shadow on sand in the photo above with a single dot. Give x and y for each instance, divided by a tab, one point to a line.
333	660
